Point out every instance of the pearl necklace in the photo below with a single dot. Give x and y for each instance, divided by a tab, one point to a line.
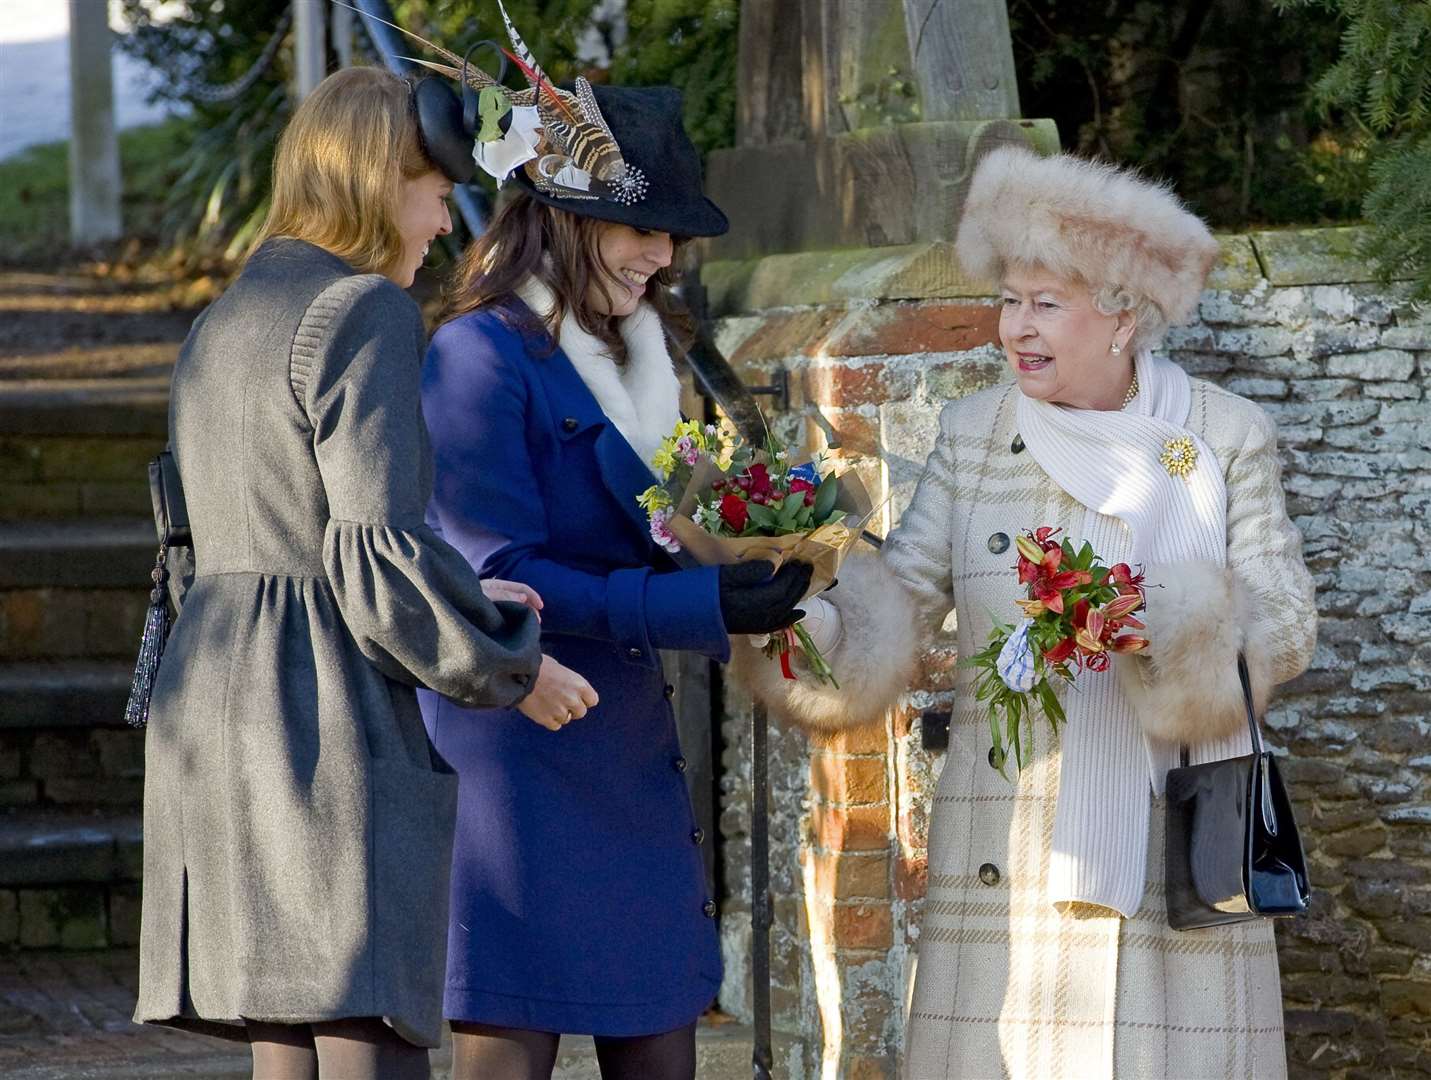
1132	392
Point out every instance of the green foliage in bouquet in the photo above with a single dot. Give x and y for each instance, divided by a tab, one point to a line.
1011	712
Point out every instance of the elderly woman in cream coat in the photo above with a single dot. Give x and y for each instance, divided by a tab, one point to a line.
1045	950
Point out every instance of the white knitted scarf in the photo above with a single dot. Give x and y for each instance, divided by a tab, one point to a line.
1110	462
642	397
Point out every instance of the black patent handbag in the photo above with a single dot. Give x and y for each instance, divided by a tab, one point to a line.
1232	850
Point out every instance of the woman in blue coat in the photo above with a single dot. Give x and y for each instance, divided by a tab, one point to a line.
578	896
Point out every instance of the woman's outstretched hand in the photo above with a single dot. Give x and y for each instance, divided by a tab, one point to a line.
755	598
560	696
514	592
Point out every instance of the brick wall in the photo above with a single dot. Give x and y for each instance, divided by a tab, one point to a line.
877	340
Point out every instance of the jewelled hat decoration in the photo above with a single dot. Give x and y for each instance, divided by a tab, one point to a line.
558	137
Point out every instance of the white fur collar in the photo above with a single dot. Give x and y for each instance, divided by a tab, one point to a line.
643	398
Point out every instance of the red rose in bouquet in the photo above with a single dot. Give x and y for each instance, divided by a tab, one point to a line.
734	511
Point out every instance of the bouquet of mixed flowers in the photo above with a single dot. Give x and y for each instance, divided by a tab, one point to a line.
721	500
1074	614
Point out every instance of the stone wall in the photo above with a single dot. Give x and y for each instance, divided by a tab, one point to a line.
877	340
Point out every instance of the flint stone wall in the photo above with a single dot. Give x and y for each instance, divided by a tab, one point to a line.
877	340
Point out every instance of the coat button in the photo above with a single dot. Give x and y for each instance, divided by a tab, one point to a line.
991	755
708	909
1017	446
989	874
669	691
569	424
679	764
999	543
698	836
633	653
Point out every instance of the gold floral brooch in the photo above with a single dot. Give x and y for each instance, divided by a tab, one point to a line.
1179	457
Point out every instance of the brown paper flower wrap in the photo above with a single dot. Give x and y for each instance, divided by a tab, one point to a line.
725	502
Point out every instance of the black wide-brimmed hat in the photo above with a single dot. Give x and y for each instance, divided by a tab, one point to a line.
646	123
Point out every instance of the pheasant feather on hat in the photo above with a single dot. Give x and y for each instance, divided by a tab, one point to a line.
557	136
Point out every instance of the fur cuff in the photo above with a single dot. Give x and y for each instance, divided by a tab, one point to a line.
1184	688
874	662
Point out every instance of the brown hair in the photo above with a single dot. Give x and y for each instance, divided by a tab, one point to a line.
338	166
560	249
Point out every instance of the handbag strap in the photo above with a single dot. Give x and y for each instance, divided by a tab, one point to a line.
1253	729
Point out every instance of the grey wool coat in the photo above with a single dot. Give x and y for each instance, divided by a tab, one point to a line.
297	823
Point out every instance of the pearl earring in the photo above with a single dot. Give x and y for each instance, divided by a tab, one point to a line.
1115	348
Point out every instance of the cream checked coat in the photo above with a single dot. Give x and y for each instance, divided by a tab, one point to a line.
1008	984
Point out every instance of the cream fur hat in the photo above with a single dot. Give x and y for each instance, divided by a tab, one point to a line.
1086	220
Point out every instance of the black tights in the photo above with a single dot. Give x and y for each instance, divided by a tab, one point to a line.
364	1048
480	1052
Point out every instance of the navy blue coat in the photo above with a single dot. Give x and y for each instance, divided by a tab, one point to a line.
578	895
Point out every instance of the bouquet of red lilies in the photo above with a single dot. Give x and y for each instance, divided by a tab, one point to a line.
1075	612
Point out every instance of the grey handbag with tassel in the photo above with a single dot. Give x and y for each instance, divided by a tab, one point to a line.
171	522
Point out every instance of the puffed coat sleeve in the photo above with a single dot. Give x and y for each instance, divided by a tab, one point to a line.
493	507
1199	616
413	605
890	605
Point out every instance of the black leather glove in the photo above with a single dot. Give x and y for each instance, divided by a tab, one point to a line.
755	601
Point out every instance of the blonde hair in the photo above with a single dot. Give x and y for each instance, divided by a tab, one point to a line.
339	164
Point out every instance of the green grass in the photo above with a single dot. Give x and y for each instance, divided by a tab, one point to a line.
34	189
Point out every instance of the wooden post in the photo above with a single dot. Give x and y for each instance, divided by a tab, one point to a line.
94	145
859	122
309	44
963	59
815	68
770	102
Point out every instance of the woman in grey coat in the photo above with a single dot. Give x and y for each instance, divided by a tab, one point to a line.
298	824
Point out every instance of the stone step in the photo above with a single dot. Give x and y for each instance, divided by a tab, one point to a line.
79	449
47	624
77	555
126	407
45	848
74	694
73	590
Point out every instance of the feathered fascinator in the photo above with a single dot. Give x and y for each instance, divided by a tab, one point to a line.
1086	220
558	137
